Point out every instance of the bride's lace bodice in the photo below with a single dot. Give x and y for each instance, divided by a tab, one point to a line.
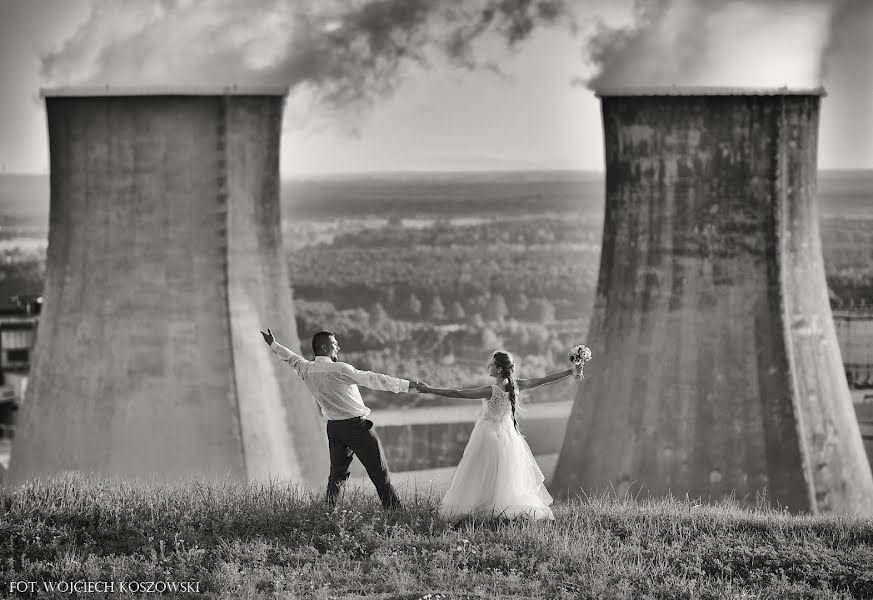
498	407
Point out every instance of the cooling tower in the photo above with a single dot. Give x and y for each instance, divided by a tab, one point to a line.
164	260
716	368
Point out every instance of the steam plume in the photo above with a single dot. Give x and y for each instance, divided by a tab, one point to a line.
346	53
715	43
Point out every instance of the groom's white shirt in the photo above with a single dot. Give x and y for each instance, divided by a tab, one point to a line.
335	384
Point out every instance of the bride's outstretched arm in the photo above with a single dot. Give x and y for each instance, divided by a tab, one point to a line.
535	382
471	393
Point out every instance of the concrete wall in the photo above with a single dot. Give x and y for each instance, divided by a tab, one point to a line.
716	368
854	329
422	444
164	259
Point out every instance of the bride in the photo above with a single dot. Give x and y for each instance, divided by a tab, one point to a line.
497	475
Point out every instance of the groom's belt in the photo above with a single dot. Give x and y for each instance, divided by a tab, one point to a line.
364	421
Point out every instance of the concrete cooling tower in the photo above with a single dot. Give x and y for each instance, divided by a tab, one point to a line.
716	368
164	260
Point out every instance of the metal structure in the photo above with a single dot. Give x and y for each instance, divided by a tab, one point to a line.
164	260
717	369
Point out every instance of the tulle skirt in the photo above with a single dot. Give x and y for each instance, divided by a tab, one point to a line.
497	477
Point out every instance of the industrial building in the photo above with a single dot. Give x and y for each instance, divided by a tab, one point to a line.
164	260
19	319
718	367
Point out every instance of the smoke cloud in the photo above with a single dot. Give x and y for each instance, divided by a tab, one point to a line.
339	57
731	43
344	54
847	115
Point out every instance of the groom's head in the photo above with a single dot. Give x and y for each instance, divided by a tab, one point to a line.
324	344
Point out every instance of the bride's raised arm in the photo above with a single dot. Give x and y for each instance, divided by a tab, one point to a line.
470	393
535	382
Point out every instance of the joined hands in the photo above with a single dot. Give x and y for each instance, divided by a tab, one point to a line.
418	386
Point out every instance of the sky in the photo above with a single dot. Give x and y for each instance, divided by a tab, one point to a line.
533	112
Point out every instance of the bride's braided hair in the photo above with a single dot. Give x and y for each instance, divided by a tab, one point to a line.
505	367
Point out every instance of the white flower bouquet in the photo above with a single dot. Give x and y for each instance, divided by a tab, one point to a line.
579	355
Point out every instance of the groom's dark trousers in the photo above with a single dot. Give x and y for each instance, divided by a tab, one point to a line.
353	437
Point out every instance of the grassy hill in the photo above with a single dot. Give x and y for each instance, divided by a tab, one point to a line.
271	541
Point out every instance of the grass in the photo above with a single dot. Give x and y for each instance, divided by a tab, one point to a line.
268	541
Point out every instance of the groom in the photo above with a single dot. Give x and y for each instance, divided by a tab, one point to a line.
335	387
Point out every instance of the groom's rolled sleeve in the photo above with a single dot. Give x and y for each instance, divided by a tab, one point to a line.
374	381
289	356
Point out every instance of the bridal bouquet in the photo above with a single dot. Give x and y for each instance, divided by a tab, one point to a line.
580	355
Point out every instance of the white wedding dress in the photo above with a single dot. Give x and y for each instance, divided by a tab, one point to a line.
497	476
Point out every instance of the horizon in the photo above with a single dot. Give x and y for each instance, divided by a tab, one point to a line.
444	172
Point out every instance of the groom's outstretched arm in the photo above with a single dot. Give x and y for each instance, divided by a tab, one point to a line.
286	354
375	381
